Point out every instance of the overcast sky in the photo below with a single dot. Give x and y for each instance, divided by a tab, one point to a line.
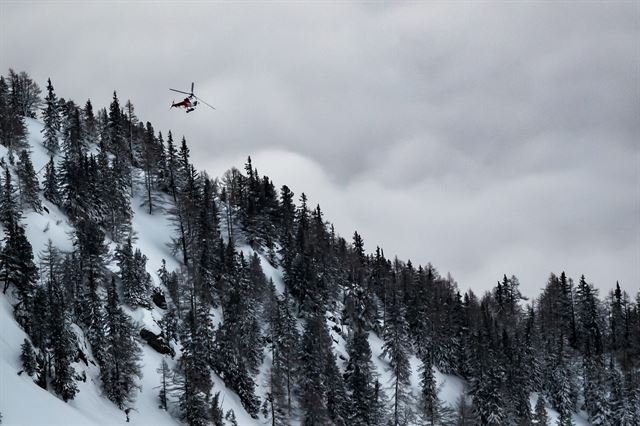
486	138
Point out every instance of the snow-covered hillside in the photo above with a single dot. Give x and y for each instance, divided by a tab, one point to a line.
22	402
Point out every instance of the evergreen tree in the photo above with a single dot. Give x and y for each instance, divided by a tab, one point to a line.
16	257
13	130
136	282
51	118
316	342
165	380
397	346
192	381
337	401
169	326
72	131
28	358
433	411
120	370
540	417
62	344
360	378
379	404
25	94
229	365
563	389
621	411
275	403
216	413
231	418
595	389
285	340
29	185
90	124
10	212
88	269
119	214
488	402
51	182
116	128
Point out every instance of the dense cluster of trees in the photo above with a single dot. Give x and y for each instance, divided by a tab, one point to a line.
574	349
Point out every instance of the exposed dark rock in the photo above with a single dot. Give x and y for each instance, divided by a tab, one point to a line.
80	356
159	299
156	342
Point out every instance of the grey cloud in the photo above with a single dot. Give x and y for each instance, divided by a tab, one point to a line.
484	137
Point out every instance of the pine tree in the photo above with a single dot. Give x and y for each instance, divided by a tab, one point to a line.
9	210
216	413
312	384
150	159
488	402
379	406
131	121
136	282
432	410
116	128
169	326
121	369
231	418
29	185
25	94
285	340
51	117
360	378
193	385
595	389
275	404
620	399
119	214
28	358
50	186
62	344
13	130
165	380
563	387
337	401
89	124
397	348
72	132
87	268
16	257
540	417
229	365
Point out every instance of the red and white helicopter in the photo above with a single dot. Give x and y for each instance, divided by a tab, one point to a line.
190	102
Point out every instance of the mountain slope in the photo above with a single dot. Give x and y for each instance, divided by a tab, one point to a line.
153	235
244	301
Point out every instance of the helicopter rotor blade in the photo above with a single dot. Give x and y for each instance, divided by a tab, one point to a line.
180	91
204	102
192	88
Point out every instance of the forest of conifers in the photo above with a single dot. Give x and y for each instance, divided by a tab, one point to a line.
571	348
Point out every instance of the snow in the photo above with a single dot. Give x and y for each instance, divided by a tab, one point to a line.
44	226
153	235
19	394
39	154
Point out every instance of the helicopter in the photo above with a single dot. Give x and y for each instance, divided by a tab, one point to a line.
190	102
